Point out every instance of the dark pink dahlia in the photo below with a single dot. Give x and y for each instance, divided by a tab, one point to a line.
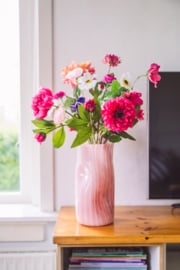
118	114
140	114
134	97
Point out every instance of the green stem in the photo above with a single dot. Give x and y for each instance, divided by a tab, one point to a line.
138	77
69	113
93	134
109	69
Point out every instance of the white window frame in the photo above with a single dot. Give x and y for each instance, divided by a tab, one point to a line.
36	170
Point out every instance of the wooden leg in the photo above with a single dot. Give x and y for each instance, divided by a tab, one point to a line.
59	258
163	257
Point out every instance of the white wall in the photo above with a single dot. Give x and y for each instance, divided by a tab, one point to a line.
140	32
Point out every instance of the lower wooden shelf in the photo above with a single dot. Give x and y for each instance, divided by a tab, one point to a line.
151	227
155	261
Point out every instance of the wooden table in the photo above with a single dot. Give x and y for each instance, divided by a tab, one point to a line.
147	226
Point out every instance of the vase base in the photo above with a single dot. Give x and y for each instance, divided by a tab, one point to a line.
95	225
94	222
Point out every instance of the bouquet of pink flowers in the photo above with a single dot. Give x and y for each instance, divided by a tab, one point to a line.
111	109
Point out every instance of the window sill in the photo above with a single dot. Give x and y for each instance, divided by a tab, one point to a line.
24	212
19	223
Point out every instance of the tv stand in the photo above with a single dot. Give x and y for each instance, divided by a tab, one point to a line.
147	226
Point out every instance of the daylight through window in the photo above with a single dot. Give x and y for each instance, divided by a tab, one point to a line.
10	95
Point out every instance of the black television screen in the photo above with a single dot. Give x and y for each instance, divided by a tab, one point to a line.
164	137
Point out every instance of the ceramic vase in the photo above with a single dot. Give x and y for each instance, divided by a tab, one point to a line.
94	184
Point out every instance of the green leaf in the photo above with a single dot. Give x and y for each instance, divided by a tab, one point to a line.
115	86
91	91
83	113
69	101
127	136
43	130
42	123
115	138
82	136
97	111
76	123
135	122
59	138
137	107
123	90
109	94
77	92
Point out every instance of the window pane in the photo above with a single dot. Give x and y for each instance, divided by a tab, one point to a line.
10	95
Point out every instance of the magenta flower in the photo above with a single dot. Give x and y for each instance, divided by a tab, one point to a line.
101	86
42	102
90	105
134	97
140	114
153	75
108	78
59	95
40	137
118	114
112	60
59	115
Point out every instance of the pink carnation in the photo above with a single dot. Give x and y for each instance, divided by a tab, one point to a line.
42	102
108	78
134	97
90	105
112	60
40	137
118	114
59	95
153	75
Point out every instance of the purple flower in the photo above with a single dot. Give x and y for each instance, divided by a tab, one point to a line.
79	101
74	107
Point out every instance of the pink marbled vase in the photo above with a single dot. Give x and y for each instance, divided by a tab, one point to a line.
94	184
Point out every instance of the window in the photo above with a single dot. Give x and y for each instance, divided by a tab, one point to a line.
34	68
10	96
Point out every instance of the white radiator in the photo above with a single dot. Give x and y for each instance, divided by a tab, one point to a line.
28	261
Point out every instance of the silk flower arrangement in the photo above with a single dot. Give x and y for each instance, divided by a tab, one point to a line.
111	109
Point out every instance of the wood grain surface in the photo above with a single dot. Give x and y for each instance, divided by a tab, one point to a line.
132	225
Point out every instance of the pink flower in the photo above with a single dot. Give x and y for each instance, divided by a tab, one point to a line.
86	67
101	86
42	102
112	60
108	78
140	114
59	95
69	70
40	137
71	129
153	75
66	70
118	114
90	105
134	97
73	74
59	115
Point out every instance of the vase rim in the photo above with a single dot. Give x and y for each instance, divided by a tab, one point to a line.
97	144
